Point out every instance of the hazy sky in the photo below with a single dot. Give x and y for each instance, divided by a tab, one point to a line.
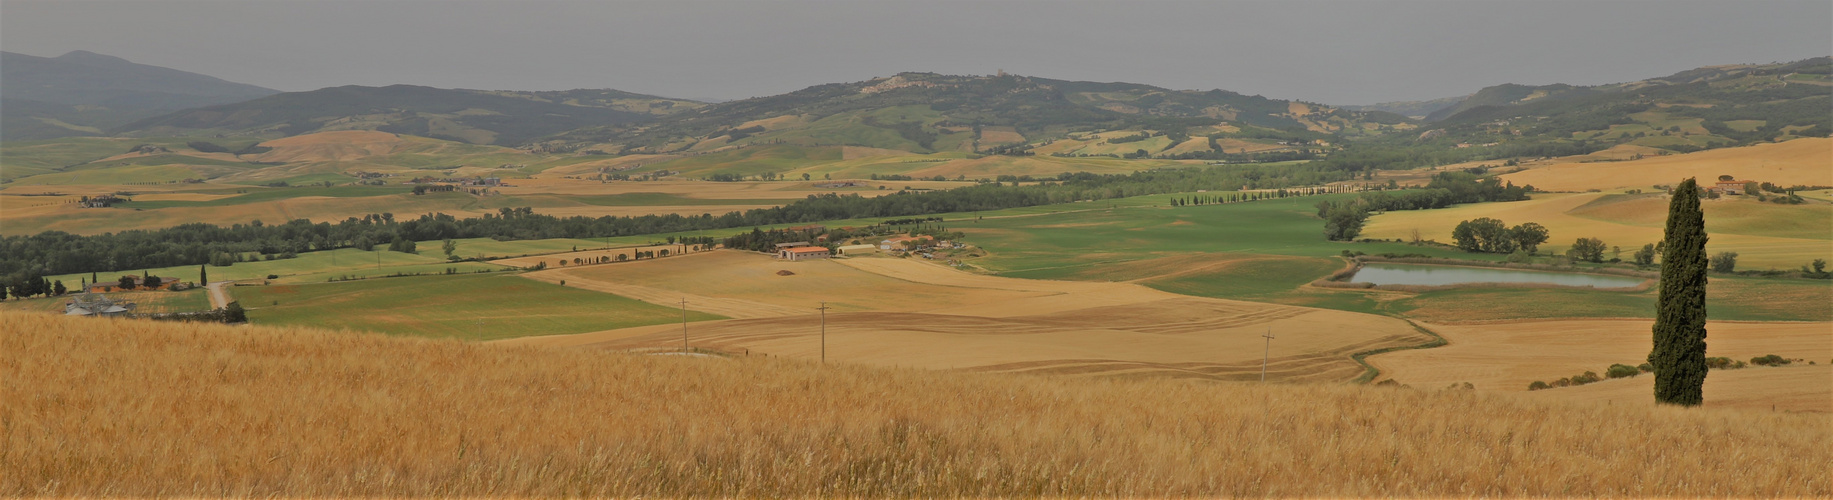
1343	52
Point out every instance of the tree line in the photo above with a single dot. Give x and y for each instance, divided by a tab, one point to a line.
57	252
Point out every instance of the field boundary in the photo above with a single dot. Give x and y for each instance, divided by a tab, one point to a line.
1371	372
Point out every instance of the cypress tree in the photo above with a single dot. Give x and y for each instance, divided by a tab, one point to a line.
203	275
1679	353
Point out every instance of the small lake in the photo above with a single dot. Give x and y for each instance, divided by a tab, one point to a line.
1401	274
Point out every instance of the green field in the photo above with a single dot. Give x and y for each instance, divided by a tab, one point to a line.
468	307
1267	250
257	195
321	264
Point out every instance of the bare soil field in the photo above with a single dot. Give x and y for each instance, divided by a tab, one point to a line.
1807	161
901	312
1764	236
1507	356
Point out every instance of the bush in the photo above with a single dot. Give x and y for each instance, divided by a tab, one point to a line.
1770	360
1723	363
1621	371
1537	385
1585	378
1646	368
1562	382
1725	262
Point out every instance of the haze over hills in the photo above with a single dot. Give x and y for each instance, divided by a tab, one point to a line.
1690	110
476	117
81	93
927	112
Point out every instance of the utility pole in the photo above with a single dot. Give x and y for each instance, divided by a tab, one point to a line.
684	325
1267	355
823	310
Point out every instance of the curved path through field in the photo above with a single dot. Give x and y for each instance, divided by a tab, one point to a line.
907	312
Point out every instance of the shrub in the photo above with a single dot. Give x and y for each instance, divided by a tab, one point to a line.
1585	378
1562	382
1621	371
1645	367
1770	360
1537	385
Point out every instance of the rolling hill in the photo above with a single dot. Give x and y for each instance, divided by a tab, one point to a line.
1690	110
82	93
476	117
927	112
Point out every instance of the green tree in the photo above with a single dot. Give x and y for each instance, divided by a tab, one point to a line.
203	275
127	282
1725	262
450	247
57	288
1587	249
233	313
1679	350
1528	236
1645	256
2	292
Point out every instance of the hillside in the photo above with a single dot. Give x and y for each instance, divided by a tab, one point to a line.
475	117
138	408
81	93
1691	110
927	112
1412	109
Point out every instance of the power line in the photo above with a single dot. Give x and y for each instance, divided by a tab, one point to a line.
823	310
1268	354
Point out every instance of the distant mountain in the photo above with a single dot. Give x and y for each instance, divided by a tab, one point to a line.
1695	109
84	93
927	112
473	116
1411	109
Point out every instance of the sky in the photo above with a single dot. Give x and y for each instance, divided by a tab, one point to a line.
1334	52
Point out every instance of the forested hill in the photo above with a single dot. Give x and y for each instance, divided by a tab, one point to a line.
911	111
81	93
477	117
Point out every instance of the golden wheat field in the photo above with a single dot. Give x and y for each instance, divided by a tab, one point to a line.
904	312
120	408
1764	234
1806	161
1507	356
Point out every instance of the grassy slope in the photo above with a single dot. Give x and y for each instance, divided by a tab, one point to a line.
1199	243
125	408
470	307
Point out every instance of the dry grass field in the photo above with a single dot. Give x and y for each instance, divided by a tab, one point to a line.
106	408
903	312
1764	235
1507	356
1807	161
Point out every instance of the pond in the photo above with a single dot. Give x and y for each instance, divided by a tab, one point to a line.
1401	274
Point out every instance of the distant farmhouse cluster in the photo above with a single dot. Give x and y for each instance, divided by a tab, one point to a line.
92	304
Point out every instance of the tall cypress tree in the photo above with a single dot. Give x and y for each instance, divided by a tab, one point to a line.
203	275
1679	354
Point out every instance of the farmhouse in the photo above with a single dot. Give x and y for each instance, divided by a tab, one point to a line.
1730	187
90	304
100	201
803	253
